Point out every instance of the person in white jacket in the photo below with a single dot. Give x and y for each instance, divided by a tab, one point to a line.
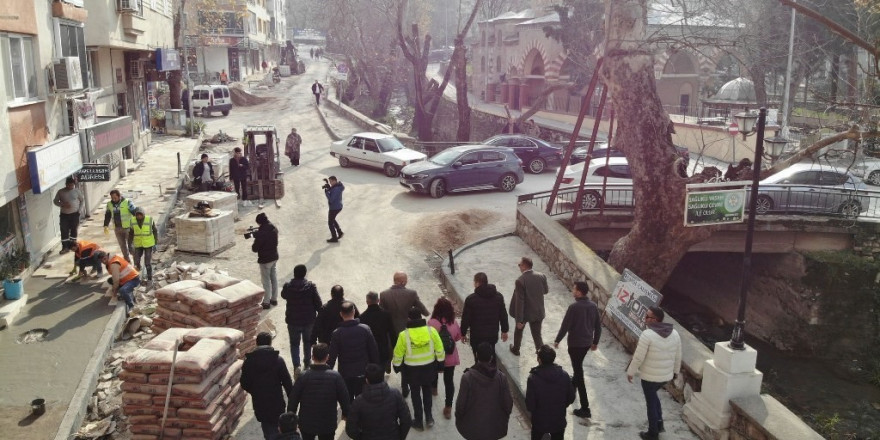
657	360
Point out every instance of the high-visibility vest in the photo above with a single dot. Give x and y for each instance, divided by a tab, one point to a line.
127	272
85	245
143	235
124	212
418	346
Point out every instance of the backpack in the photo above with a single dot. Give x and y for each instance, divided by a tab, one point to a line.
446	337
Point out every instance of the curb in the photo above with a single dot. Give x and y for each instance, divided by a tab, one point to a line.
76	412
323	118
454	289
172	199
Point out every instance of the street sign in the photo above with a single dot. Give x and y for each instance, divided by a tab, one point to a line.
733	129
630	301
703	208
94	172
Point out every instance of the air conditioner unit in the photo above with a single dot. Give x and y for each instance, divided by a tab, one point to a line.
67	74
129	5
135	69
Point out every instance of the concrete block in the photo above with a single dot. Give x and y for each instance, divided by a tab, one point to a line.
734	361
10	310
720	386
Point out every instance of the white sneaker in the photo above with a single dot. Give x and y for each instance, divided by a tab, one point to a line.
113	302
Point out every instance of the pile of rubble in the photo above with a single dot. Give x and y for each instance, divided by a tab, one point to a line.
205	399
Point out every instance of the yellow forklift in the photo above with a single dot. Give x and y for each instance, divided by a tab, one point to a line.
261	148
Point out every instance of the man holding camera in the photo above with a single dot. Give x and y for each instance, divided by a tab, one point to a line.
266	247
333	189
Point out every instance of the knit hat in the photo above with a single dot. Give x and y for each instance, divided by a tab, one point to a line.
262	219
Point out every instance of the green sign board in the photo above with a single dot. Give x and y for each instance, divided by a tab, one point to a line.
714	207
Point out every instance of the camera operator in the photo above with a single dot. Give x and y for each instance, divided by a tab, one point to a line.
266	247
333	190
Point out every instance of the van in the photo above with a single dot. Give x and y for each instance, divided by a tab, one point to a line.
211	98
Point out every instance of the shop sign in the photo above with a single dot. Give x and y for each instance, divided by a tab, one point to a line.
94	172
107	137
54	162
630	301
703	208
167	59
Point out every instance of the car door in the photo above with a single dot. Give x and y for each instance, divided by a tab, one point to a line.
836	191
491	167
465	172
370	154
524	149
801	192
355	150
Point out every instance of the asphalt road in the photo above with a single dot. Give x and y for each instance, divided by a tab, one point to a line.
382	222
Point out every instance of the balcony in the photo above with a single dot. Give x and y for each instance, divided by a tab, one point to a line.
133	24
69	12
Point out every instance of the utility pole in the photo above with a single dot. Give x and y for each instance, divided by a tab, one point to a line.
785	92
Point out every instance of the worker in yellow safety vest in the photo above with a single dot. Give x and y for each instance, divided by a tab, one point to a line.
123	276
143	237
120	210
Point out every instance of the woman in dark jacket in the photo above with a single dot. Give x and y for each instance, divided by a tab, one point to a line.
263	375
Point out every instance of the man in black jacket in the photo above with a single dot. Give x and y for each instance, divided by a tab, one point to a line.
353	343
381	325
263	375
238	173
303	303
316	394
328	317
549	391
483	314
203	173
380	413
266	247
584	327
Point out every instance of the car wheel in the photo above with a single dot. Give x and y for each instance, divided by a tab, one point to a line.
850	208
438	188
592	200
874	178
391	170
343	162
507	183
763	204
225	112
537	165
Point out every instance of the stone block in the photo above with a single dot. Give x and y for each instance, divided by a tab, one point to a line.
734	361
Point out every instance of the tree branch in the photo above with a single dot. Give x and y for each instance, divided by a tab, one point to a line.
852	133
833	26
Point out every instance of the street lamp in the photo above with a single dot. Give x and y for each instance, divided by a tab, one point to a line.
746	122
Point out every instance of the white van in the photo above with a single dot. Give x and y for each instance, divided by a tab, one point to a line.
211	98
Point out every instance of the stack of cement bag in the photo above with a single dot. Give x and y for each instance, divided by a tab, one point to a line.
206	400
213	300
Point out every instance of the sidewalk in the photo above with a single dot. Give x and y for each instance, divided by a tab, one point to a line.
618	407
64	368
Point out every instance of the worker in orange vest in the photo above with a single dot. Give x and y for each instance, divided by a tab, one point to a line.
123	277
84	255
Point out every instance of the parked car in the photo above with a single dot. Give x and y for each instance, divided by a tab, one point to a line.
536	154
812	188
464	168
211	98
377	150
601	149
868	169
616	173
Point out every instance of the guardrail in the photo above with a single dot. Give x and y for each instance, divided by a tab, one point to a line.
863	205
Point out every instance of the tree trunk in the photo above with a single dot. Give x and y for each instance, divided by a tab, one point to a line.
658	238
461	96
174	77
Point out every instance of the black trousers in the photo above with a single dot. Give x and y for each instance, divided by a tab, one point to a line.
355	385
240	188
448	383
577	355
69	224
553	435
335	230
475	343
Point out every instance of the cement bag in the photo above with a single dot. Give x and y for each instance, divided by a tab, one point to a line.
137	399
131	376
199	390
245	292
200	358
148	361
167	340
145	388
231	336
202	300
144	437
232	374
143	420
177	306
203	414
146	429
137	410
162	378
216	281
169	292
247	312
218	317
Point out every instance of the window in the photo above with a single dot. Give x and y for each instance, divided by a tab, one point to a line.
17	54
491	156
355	143
804	178
94	80
521	143
218	93
832	178
370	145
470	158
70	42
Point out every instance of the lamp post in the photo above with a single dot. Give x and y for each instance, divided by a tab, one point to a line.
747	122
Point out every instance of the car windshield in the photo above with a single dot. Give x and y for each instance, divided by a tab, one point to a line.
390	144
445	157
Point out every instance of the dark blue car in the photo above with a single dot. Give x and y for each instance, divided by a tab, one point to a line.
536	154
464	168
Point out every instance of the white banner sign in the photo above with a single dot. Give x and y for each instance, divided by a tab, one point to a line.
54	162
630	301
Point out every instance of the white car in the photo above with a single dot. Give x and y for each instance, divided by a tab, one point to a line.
376	150
616	173
869	170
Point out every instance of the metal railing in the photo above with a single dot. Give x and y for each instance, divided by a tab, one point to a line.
863	205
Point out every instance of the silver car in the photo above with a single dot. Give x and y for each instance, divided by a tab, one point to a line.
812	188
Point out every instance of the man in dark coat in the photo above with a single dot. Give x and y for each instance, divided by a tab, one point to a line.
238	173
483	405
584	327
398	301
380	413
328	317
353	344
316	394
527	304
484	314
263	375
266	247
382	327
549	391
303	303
203	173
